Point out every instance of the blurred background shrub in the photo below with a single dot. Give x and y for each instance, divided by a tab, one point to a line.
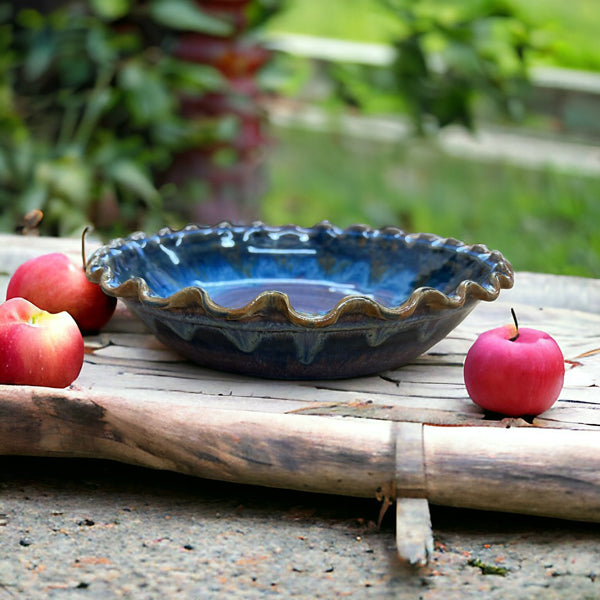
135	114
91	115
131	113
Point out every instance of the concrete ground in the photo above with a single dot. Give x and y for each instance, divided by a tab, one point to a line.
95	529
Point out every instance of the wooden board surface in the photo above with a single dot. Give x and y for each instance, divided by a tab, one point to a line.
137	401
429	390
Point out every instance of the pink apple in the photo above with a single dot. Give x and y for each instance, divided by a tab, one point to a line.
54	283
37	347
514	371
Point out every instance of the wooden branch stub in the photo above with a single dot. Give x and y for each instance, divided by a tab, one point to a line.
414	535
410	461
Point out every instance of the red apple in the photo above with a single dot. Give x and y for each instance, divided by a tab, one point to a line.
37	347
514	371
54	283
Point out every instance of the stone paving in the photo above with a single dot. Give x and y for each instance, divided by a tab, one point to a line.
95	529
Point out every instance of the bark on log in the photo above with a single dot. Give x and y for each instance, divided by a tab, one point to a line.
527	470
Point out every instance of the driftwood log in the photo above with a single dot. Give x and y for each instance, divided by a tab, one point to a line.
476	467
527	470
410	435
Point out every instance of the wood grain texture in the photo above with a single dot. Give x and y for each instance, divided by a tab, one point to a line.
546	472
348	457
139	402
549	472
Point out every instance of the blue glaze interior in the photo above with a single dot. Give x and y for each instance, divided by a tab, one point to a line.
315	268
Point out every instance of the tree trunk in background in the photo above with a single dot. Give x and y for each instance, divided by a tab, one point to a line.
232	171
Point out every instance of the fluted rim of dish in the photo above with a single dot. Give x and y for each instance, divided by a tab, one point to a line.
266	304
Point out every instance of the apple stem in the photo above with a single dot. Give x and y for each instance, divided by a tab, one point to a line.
514	316
86	230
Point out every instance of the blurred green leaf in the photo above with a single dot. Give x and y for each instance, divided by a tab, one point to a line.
101	47
40	55
98	101
145	92
110	9
30	19
70	221
193	78
5	171
32	197
449	54
259	12
185	15
132	177
22	158
67	177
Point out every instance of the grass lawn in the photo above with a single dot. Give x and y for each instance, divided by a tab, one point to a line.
541	220
572	26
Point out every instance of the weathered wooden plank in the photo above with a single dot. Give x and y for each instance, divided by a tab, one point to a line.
575	416
581	396
118	345
529	470
586	373
430	416
565	292
128	377
343	456
158	399
146	354
264	395
437	394
378	385
531	314
550	424
501	467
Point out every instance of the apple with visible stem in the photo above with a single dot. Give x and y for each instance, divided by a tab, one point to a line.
37	347
54	283
514	371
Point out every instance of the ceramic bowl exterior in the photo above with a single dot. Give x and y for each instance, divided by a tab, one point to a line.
299	303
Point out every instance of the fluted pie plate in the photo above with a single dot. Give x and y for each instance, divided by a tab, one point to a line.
299	303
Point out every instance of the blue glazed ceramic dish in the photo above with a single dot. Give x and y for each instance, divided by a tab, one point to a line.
299	303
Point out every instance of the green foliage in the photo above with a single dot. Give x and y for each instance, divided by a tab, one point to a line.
89	109
448	55
568	31
358	20
184	15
